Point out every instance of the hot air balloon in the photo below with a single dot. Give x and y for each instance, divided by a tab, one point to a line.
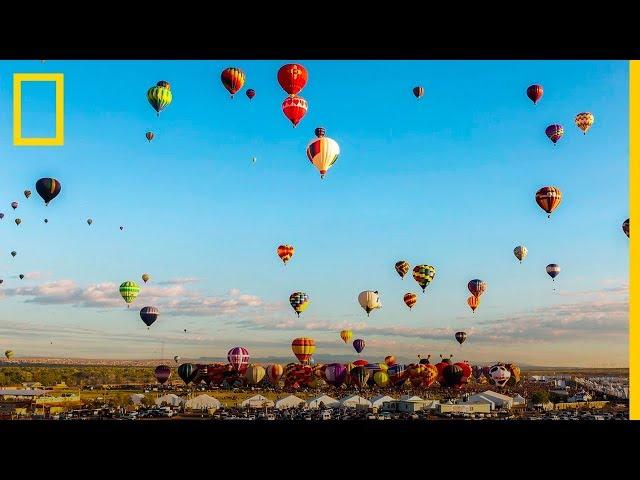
369	300
625	227
554	132
292	77
129	291
251	93
429	374
121	228
584	121
402	268
424	275
162	373
149	136
14	205
176	358
187	372
295	108
359	376
160	96
499	375
477	372
418	92
299	301
285	252
346	335
274	372
476	287
303	348
232	79
14	253
360	362
534	92
8	354
553	270
145	277
452	375
520	252
18	221
21	276
149	315
322	151
46	221
238	357
461	337
473	302
1	281
381	379
254	374
514	370
89	221
548	199
27	193
410	299
390	360
358	345
1	216
335	374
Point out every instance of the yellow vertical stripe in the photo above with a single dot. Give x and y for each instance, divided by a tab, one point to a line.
634	250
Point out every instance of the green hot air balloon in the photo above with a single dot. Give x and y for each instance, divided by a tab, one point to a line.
160	96
129	291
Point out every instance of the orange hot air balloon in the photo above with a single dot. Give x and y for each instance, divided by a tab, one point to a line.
274	373
410	299
285	252
473	302
232	79
390	360
548	199
303	348
346	335
429	375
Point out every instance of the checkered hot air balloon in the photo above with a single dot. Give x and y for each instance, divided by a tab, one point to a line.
285	252
322	151
238	357
554	132
299	301
410	299
584	121
548	199
160	96
233	79
129	291
303	348
424	275
402	268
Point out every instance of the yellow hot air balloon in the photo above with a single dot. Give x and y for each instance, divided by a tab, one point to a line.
129	291
254	374
369	300
145	277
8	354
584	121
322	151
346	335
381	378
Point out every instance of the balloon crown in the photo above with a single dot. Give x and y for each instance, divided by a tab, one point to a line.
320	132
164	84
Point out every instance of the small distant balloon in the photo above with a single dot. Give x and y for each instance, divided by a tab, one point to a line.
21	276
461	337
160	96
473	302
534	92
584	121
14	253
418	92
520	252
14	205
27	193
89	221
46	220
402	267
18	221
121	227
625	227
145	277
251	93
548	199
410	299
1	216
553	270
554	132
149	136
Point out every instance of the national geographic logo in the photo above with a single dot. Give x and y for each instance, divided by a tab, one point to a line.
18	139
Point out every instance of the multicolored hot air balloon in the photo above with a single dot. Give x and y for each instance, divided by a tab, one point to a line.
292	77
473	302
303	348
149	136
476	287
285	252
274	372
145	277
548	199
14	205
8	354
295	108
369	300
18	221
187	372
299	301
553	270
359	376
233	79
162	373
129	291
335	374
238	357
254	374
625	227
346	335
358	345
520	252
534	92
554	132
149	315
402	268
251	93
461	337
584	121
418	91
27	193
410	299
424	275
322	151
390	360
499	375
176	358
160	96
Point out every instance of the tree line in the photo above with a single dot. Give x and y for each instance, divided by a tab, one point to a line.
75	376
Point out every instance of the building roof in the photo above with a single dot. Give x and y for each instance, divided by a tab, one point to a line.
495	396
171	399
289	401
257	400
22	392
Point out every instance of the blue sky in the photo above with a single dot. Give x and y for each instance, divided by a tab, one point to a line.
448	180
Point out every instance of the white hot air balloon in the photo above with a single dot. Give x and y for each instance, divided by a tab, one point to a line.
323	151
499	375
369	300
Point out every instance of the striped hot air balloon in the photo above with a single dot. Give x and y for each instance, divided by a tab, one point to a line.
129	291
299	301
238	357
285	252
473	302
410	299
418	92
149	136
520	252
322	152
162	373
402	268
187	372
553	270
160	96
424	275
359	376
233	79
303	348
548	199
584	121
477	287
274	373
358	345
554	132
346	335
149	315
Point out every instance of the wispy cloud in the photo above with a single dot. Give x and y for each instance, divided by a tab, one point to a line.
179	281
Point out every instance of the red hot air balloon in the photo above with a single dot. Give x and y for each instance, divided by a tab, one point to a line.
294	108
360	363
149	136
162	374
534	92
238	357
292	77
251	93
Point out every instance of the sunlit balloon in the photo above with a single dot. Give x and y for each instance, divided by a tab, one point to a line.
410	299
294	108
402	267
129	291
473	302
303	348
162	373
160	96
292	77
274	372
554	132
233	79
322	151
346	335
520	252
381	379
390	360
8	354
254	374
424	275
299	301
584	121
238	357
145	277
553	270
285	252
369	300
548	199
476	287
534	92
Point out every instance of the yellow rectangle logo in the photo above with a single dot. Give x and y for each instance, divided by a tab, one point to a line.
58	139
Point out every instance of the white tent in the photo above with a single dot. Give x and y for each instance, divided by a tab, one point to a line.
290	401
519	400
497	400
380	399
353	401
410	398
326	400
257	401
136	398
171	399
202	402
